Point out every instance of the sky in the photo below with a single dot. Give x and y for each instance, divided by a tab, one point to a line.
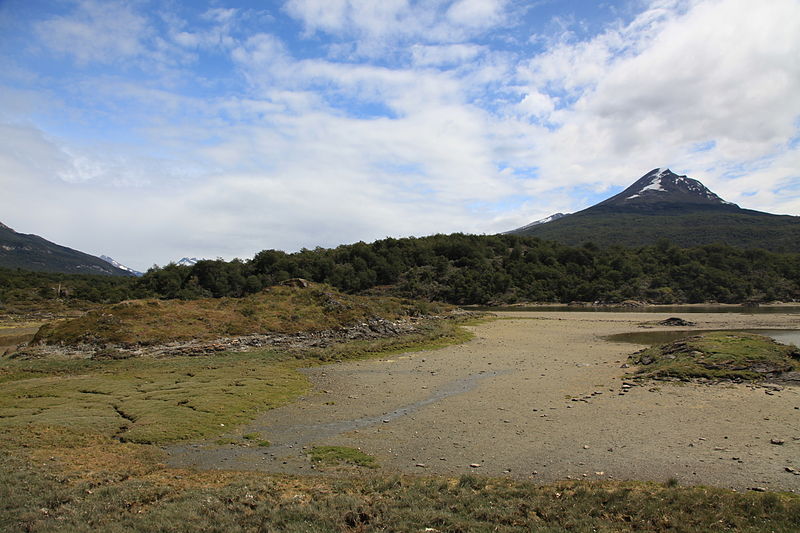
154	130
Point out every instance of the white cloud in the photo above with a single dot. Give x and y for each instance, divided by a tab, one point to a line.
444	55
386	118
95	32
723	71
378	28
476	13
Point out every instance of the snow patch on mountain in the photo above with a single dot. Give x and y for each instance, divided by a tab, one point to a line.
545	220
187	261
120	265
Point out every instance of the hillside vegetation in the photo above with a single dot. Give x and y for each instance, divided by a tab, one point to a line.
463	269
279	309
685	227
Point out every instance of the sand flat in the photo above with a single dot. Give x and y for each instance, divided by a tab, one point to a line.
536	395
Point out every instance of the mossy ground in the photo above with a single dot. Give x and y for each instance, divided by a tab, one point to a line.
341	455
156	401
718	356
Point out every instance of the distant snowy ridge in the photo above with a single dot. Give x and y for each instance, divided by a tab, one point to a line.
120	265
188	261
545	220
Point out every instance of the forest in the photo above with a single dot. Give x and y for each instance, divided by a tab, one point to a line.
459	269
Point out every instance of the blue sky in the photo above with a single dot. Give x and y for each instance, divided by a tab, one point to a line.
152	130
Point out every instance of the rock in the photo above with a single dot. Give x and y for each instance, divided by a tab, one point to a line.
777	442
632	303
475	465
421	465
758	489
295	282
675	321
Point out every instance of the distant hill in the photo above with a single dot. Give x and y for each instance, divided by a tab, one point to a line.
664	205
31	252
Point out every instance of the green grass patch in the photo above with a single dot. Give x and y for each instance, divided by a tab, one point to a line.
718	356
341	455
141	400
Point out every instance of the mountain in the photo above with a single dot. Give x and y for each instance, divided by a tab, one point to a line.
31	252
662	189
188	261
664	205
121	266
545	220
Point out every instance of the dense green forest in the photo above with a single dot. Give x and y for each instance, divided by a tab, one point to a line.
460	269
742	228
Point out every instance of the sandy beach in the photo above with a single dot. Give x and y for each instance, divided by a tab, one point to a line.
535	395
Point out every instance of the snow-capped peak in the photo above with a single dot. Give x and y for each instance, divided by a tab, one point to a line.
655	184
662	186
120	265
187	261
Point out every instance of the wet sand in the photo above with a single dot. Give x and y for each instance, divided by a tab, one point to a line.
536	395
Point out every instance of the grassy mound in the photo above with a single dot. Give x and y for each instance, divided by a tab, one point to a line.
718	356
279	309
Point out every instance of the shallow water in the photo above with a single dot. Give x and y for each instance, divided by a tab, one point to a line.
784	336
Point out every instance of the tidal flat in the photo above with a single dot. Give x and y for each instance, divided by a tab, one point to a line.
535	396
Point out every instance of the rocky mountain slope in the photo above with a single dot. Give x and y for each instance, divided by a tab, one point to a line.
31	252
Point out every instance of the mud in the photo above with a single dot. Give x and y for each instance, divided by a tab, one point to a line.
535	396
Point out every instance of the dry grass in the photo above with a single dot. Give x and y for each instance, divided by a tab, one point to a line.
276	310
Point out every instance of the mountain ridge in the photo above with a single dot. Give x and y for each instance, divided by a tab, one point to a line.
32	252
664	205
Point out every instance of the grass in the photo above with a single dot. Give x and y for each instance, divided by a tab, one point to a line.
341	455
157	401
278	309
718	356
141	400
44	498
79	452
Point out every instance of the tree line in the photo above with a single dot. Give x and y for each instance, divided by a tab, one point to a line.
471	269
